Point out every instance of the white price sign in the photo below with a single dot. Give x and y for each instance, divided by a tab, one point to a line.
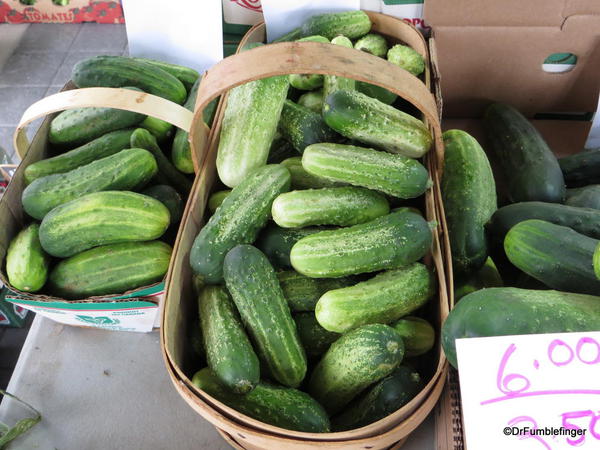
531	392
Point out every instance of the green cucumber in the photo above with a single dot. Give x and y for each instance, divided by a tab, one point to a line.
353	362
184	74
238	220
394	175
382	299
382	399
581	169
372	90
352	24
301	179
332	83
486	277
216	199
228	351
388	242
277	243
312	100
160	129
120	71
102	218
129	169
584	197
418	335
529	166
104	146
387	127
254	287
110	269
596	261
167	173
302	127
302	293
406	58
169	197
26	262
279	406
469	196
557	256
512	311
375	44
308	82
196	340
343	206
280	149
315	339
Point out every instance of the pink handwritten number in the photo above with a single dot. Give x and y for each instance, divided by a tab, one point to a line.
502	381
533	426
581	343
571	426
553	345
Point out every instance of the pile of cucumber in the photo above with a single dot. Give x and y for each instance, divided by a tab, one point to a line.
100	203
307	269
547	237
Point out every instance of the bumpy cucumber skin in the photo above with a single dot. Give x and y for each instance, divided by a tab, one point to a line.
418	335
315	339
238	220
469	196
308	82
277	243
388	242
332	83
102	218
394	175
581	169
382	299
352	24
407	59
249	125
353	362
312	100
279	406
597	262
512	311
584	197
381	400
228	350
184	74
26	262
104	146
387	128
169	197
375	44
301	179
486	277
120	71
302	127
110	269
253	285
302	293
216	199
129	169
557	256
372	90
530	168
343	206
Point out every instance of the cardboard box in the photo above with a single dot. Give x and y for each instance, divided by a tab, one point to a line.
60	11
11	315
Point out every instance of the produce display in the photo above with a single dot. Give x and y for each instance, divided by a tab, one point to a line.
308	263
101	210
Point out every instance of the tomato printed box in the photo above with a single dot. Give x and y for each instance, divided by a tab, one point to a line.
60	11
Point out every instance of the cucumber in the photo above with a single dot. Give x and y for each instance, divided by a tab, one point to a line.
280	149
216	199
583	220
104	146
184	74
529	166
160	129
167	173
237	221
512	311
279	406
557	256
406	58
584	197
302	127
353	362
382	299
102	218
308	82
352	24
302	293
228	351
389	242
387	127
129	169
249	125
341	206
375	44
120	71
277	243
312	100
596	261
486	277
301	179
380	400
26	262
110	269
372	90
196	341
394	175
254	287
332	83
315	339
581	169
168	197
418	335
469	196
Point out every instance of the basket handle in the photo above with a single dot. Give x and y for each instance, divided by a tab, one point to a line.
118	98
309	57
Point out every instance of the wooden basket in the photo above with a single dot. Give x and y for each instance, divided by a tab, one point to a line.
180	305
